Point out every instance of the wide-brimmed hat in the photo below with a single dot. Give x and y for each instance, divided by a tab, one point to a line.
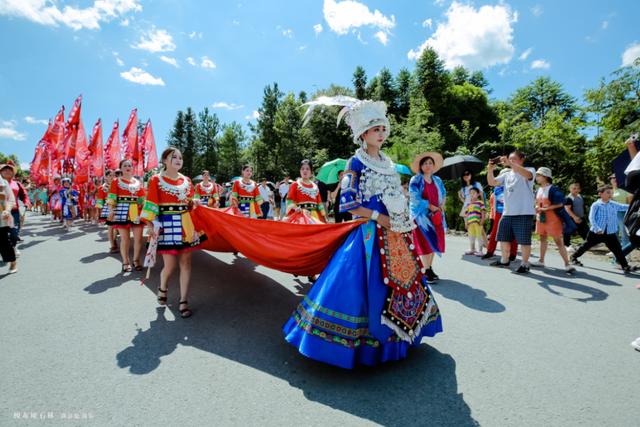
437	159
544	172
9	164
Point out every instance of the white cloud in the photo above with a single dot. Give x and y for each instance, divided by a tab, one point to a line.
25	166
124	23
195	35
207	63
540	64
288	32
631	53
439	2
48	13
605	25
226	106
120	62
537	10
156	40
524	55
317	28
253	116
169	60
235	22
191	61
382	37
427	23
8	131
348	15
303	47
139	76
474	38
33	121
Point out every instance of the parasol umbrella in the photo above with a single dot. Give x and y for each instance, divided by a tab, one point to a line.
328	173
619	166
454	166
403	169
150	257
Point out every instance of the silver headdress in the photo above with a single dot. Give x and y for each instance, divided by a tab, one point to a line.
360	115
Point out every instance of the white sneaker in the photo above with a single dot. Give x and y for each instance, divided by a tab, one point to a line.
569	269
537	264
570	249
636	344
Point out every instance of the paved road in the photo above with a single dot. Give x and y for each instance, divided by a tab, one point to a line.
79	339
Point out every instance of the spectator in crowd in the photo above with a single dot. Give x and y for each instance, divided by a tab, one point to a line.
624	197
549	200
465	191
496	203
8	172
603	217
574	206
267	198
7	247
474	222
283	190
337	215
519	210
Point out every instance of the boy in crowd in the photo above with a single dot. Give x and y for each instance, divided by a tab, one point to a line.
574	205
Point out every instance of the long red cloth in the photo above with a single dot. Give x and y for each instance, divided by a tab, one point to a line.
302	249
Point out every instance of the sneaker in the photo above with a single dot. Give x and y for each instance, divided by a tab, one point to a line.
13	268
478	253
636	344
487	255
434	275
569	269
429	276
469	252
569	249
524	268
575	261
537	264
512	258
499	263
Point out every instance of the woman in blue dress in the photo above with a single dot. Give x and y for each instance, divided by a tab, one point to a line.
371	302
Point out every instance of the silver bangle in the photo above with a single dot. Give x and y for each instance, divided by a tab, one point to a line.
375	215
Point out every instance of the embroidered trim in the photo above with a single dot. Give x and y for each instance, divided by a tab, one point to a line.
132	187
331	326
336	314
311	192
207	190
180	191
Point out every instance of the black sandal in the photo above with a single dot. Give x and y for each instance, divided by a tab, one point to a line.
185	312
137	266
126	268
162	300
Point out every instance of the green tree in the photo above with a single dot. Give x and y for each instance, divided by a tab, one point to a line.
208	130
230	151
360	82
403	95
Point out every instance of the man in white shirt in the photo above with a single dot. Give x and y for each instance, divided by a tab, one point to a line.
283	189
519	207
267	198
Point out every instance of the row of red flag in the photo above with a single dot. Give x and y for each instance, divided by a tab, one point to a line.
64	148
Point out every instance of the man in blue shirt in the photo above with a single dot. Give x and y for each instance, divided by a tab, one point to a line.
604	227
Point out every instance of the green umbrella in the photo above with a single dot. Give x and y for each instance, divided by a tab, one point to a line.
328	173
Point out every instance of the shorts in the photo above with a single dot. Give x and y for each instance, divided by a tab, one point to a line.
518	227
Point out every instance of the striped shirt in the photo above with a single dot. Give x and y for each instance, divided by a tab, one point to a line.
604	216
474	212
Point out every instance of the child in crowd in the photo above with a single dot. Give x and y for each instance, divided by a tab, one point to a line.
474	219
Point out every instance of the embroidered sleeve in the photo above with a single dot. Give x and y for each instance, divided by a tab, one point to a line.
150	209
192	190
141	194
196	191
112	198
100	199
235	189
349	185
292	200
257	196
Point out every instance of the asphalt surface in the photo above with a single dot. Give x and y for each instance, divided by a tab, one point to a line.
81	344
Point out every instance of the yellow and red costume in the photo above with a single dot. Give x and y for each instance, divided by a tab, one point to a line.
248	197
209	194
306	196
125	199
101	197
168	203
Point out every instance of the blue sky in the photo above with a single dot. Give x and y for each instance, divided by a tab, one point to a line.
161	56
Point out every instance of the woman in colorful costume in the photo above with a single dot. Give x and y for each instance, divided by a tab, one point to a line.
69	200
371	302
245	194
168	203
207	192
103	209
304	195
426	200
126	196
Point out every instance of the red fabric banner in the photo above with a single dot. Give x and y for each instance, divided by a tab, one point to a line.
56	138
83	156
112	151
302	249
130	137
96	153
71	130
149	146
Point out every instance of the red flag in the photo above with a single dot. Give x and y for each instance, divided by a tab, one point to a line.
130	136
82	155
112	151
149	148
96	153
56	136
71	130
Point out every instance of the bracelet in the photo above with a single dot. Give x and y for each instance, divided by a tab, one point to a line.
375	215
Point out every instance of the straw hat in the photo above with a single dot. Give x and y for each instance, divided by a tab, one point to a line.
9	164
437	159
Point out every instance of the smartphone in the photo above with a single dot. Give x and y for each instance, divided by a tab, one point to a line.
634	136
495	160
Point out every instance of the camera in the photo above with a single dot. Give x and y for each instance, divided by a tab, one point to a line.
495	160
